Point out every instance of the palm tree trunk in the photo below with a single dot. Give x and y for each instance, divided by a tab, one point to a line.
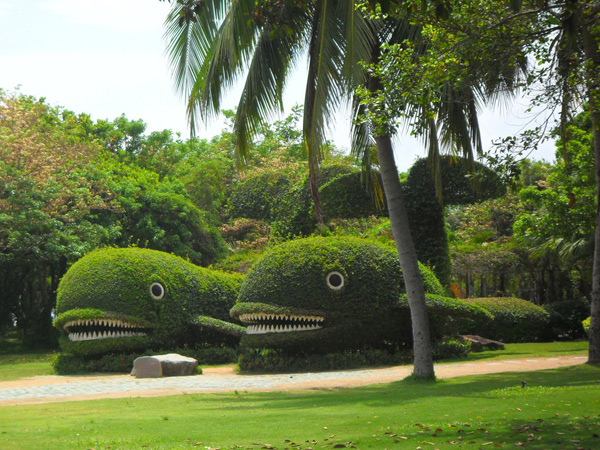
423	363
591	39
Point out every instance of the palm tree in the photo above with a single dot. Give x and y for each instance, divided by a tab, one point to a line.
214	41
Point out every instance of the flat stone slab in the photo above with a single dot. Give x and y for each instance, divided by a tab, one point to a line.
169	365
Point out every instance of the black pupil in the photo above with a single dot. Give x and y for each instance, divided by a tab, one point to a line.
157	290
335	280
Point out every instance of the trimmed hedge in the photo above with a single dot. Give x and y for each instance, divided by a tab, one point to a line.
65	364
278	361
115	283
515	320
366	312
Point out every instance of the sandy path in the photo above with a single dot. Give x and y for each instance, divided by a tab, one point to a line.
37	390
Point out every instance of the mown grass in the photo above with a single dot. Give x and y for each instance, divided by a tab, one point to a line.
558	409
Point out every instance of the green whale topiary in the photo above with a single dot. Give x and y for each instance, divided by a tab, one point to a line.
123	300
321	295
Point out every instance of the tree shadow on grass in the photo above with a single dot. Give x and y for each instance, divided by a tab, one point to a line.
407	391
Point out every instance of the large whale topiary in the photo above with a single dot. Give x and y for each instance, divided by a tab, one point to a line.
319	295
121	300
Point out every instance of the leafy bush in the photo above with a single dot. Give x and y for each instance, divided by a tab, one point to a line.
451	349
294	215
257	197
566	319
278	361
66	364
515	320
346	197
586	326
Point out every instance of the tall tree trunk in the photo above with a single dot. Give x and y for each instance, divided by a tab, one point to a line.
423	364
591	41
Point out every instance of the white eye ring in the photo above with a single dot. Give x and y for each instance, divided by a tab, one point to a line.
157	291
335	280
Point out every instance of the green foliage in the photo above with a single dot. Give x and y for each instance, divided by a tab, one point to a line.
115	362
446	315
258	197
566	319
69	185
294	216
68	364
586	326
425	210
278	361
115	284
346	197
515	320
451	349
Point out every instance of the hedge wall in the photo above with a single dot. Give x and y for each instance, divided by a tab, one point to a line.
115	283
515	320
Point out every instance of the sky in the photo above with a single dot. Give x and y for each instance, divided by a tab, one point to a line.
107	58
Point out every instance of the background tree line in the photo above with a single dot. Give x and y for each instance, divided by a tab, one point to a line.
69	185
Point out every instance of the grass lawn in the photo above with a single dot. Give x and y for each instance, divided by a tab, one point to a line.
559	409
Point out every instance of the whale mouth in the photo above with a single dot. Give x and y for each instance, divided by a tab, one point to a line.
262	323
94	329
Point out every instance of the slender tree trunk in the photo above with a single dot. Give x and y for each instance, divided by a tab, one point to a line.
423	364
591	41
313	169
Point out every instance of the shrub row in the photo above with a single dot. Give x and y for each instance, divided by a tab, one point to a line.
515	320
279	361
66	364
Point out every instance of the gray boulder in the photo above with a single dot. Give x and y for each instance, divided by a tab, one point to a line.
147	367
170	365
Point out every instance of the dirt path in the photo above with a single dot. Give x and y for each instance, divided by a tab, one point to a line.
46	389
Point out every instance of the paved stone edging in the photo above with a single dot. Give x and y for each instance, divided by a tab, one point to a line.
50	388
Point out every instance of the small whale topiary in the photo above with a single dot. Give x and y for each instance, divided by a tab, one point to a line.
123	300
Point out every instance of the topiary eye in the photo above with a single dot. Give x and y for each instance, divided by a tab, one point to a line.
335	280
157	291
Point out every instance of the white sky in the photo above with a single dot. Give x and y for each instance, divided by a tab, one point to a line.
107	58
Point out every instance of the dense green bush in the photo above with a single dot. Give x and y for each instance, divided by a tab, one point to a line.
64	363
293	214
115	284
257	197
346	197
446	316
515	320
278	361
566	319
451	349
